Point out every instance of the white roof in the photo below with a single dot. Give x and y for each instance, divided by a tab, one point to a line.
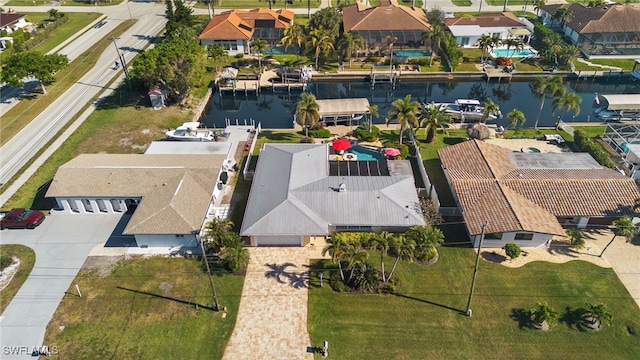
623	102
343	106
468	102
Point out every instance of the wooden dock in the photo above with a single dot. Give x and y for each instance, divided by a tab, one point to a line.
261	84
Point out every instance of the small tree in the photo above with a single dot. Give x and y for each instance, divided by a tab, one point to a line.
235	254
403	249
512	250
597	314
576	238
544	316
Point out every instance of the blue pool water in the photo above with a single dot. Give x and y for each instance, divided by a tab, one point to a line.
412	53
364	154
625	147
275	50
511	53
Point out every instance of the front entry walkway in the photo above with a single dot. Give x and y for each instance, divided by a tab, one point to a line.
272	320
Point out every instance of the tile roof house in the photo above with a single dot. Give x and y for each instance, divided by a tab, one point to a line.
374	24
297	193
171	194
467	30
234	29
609	31
525	197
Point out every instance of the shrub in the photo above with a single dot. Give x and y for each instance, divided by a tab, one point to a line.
419	61
363	134
404	149
372	59
584	143
306	140
320	133
367	279
5	261
512	250
426	254
238	56
336	283
504	61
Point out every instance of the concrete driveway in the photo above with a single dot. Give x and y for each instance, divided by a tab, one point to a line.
61	244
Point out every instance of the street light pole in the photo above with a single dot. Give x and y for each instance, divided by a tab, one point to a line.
475	270
129	9
122	61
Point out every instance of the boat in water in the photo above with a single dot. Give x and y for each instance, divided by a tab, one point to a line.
617	107
192	131
467	109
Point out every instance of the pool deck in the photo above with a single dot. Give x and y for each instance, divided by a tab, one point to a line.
520	144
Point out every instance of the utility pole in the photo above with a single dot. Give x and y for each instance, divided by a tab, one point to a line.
475	271
122	61
206	263
129	9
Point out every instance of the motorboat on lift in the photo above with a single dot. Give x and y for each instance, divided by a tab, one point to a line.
618	107
467	109
192	131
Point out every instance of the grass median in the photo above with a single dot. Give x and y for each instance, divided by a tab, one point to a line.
77	21
27	260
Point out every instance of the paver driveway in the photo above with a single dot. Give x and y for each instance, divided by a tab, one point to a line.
272	320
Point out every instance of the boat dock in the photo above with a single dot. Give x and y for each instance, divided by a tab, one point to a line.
264	82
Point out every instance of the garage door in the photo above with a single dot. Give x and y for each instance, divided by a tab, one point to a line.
287	240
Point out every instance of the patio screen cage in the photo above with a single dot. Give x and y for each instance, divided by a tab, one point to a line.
620	44
620	136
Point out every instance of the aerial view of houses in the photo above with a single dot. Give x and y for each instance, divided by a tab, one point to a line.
308	180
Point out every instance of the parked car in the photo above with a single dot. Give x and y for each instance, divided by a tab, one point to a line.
22	219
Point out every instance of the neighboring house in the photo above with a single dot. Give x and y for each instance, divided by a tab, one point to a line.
526	197
235	29
170	195
374	24
298	193
11	22
609	31
505	25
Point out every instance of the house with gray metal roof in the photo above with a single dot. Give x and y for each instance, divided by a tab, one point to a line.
296	194
169	194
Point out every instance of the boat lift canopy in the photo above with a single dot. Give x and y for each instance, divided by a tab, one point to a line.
622	102
336	107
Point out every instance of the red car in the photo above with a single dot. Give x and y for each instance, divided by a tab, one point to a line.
21	219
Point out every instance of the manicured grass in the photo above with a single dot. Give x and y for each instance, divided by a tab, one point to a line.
592	131
461	2
510	3
27	109
146	309
276	136
424	319
626	64
27	260
77	21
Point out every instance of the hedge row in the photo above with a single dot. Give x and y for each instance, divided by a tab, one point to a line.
584	143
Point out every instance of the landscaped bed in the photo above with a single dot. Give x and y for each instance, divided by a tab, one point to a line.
27	258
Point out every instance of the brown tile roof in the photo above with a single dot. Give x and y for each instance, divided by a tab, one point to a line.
175	189
388	16
504	19
604	19
8	19
240	24
490	187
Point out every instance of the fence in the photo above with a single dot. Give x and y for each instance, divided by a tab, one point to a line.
566	127
251	144
429	190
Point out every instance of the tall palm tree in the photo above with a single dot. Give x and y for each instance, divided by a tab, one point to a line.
495	41
566	101
516	118
337	249
319	41
259	46
515	44
381	243
622	227
372	110
432	117
405	112
403	249
350	43
490	108
566	54
355	259
215	233
537	4
597	314
484	42
543	86
391	40
563	14
293	36
308	111
434	36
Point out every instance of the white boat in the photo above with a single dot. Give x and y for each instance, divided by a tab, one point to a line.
467	109
618	107
192	131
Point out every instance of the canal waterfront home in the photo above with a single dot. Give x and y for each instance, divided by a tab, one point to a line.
235	29
527	198
299	193
608	31
505	25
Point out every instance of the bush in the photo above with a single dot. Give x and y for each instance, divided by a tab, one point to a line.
5	261
404	149
362	132
426	254
238	56
306	140
584	143
512	250
320	133
372	59
367	279
419	61
336	283
504	61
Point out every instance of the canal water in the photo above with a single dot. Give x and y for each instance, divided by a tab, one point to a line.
275	110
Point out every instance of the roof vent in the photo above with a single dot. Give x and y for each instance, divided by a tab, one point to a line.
342	188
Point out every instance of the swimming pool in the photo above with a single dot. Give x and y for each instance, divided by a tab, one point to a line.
412	53
275	50
364	154
513	52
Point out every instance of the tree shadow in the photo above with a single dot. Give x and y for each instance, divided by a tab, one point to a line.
494	257
523	317
207	307
574	318
295	279
429	302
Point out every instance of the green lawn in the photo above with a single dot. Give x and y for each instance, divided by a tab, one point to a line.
253	4
626	64
461	2
145	309
27	259
424	320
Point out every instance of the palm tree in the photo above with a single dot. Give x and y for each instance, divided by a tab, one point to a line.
515	43
426	239
350	43
563	14
215	233
565	101
308	111
543	85
485	43
596	314
390	41
543	313
432	117
372	110
403	249
337	248
576	238
319	41
566	54
405	112
259	46
355	259
381	243
490	108
293	35
434	36
622	227
235	254
495	41
537	4
516	118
